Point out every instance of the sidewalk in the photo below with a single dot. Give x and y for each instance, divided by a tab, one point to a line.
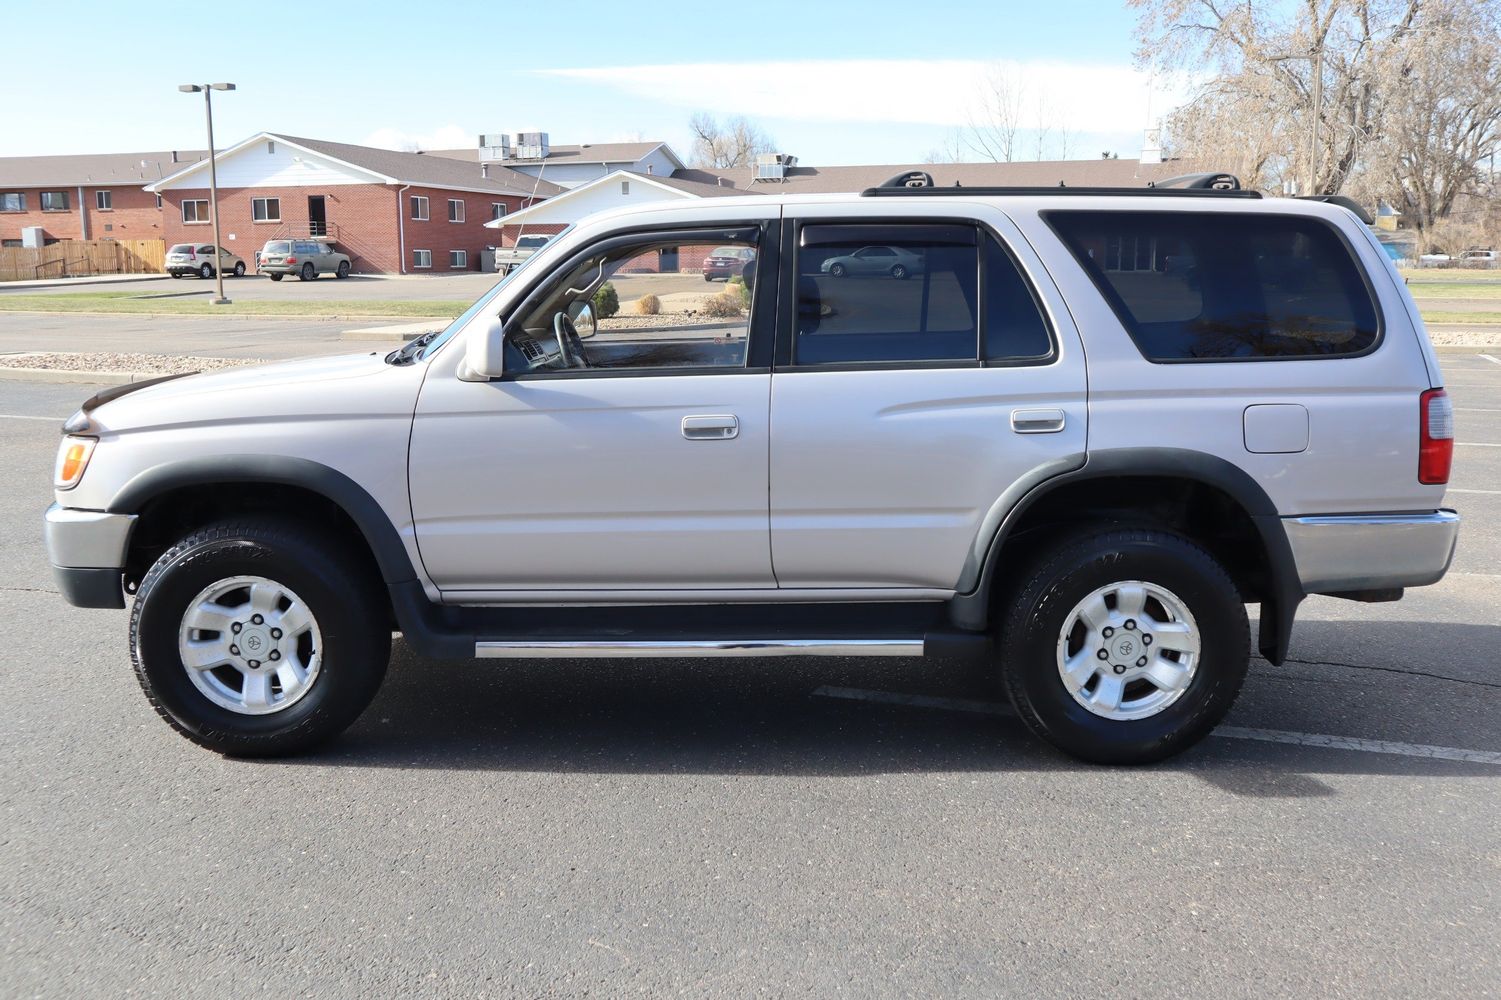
96	279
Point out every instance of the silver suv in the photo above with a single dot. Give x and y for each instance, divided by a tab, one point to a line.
305	258
1073	440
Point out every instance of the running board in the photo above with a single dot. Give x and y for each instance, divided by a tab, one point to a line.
546	650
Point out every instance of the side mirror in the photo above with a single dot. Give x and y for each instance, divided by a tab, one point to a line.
484	354
582	314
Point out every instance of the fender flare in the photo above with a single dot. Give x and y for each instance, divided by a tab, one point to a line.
971	609
368	515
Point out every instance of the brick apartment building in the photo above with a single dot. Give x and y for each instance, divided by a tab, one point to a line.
392	212
89	197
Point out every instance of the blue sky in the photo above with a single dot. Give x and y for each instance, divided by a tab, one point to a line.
833	82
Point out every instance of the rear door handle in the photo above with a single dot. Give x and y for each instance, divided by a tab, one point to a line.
1045	421
711	427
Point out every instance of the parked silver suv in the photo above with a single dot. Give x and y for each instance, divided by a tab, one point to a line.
1073	439
305	258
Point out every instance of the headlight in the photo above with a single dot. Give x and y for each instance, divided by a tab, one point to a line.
72	458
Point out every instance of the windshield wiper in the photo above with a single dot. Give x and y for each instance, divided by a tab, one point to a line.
407	354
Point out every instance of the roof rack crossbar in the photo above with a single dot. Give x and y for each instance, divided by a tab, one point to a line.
1219	185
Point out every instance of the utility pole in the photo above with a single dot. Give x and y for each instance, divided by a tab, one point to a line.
213	181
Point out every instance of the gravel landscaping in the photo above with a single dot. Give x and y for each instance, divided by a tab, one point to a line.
154	364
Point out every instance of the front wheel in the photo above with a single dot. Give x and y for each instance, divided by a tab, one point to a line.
206	271
258	638
1125	647
837	270
343	271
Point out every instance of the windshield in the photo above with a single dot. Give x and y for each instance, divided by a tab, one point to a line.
430	347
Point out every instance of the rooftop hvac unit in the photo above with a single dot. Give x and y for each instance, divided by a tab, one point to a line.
494	146
531	145
773	166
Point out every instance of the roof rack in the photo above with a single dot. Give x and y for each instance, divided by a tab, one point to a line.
919	182
1343	202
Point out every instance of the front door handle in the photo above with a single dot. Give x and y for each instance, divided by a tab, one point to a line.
1044	421
711	427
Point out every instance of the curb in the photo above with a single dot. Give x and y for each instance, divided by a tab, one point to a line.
65	375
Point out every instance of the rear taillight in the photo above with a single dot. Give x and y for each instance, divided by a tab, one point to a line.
291	260
1436	437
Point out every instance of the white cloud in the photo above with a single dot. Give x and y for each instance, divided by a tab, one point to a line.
1085	97
446	137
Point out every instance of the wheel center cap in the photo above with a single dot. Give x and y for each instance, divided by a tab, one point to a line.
254	642
1125	648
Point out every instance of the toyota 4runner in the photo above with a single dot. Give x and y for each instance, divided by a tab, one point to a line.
1075	437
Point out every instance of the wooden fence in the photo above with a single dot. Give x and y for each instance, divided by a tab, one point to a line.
75	258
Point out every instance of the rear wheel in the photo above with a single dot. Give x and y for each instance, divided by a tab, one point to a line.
240	269
898	272
1125	647
258	638
308	272
343	271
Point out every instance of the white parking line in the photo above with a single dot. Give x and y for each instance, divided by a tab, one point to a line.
1475	444
1451	490
18	416
1491	358
1228	732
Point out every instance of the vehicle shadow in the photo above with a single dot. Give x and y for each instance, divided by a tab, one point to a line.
764	718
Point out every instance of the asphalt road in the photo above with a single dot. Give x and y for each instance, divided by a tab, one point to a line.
703	828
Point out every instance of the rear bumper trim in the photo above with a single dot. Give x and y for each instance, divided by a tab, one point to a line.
1358	552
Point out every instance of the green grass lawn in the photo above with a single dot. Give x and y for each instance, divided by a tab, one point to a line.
134	302
1454	289
1453	316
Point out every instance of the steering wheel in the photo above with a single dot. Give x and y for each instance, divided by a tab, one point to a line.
570	344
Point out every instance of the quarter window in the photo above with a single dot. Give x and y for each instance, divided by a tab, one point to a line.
195	210
419	208
54	201
455	210
104	200
13	201
265	209
1192	286
422	258
886	294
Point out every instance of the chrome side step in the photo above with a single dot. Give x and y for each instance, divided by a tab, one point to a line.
569	650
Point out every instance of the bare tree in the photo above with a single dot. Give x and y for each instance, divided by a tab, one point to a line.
735	143
992	130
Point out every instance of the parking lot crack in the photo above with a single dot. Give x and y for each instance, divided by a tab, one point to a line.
1395	670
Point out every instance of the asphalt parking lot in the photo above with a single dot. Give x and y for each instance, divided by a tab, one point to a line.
793	827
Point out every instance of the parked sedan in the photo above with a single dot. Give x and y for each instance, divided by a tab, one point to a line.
726	262
305	258
198	258
895	261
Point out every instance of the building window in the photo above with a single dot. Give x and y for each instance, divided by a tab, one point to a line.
195	210
108	228
422	258
458	258
271	147
158	201
497	209
625	187
13	201
265	209
104	200
455	210
419	208
54	201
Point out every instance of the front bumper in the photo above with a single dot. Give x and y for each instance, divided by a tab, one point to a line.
87	551
1368	552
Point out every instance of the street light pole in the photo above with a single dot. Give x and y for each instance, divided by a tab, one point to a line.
213	181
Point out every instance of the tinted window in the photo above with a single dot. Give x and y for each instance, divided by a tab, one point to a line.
1015	331
277	248
1200	286
914	300
181	248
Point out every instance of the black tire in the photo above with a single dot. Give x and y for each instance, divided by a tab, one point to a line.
345	601
1064	576
837	270
308	272
206	271
343	270
240	269
276	277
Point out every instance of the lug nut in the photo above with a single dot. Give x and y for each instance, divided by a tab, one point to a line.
1103	655
1120	668
276	656
1146	640
235	628
234	650
256	619
1141	662
254	664
276	633
1130	623
1108	632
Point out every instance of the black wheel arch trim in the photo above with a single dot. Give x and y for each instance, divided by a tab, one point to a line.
368	515
970	608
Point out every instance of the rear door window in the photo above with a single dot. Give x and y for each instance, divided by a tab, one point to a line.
1214	287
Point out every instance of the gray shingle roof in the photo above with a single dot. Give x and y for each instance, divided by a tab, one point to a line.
429	168
594	152
93	169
